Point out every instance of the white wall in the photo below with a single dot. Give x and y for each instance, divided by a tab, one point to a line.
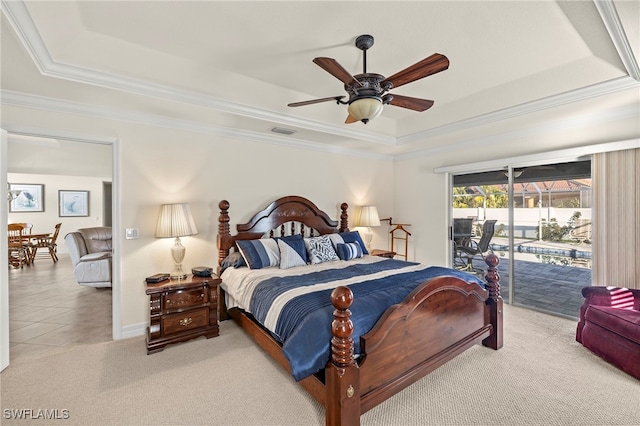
44	222
159	165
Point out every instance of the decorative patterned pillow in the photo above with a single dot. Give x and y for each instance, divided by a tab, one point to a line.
234	260
348	237
320	249
349	251
290	255
260	253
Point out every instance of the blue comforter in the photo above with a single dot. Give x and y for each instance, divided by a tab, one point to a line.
298	311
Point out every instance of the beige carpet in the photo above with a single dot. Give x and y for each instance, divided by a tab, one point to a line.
540	377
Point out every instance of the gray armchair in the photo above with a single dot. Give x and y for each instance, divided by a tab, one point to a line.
90	250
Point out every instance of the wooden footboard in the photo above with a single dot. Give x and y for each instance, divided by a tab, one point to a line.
439	320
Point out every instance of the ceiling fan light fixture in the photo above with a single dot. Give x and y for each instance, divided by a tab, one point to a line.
365	109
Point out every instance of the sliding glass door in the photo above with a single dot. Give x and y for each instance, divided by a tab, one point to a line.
541	222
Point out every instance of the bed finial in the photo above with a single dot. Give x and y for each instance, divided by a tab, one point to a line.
344	218
224	235
493	277
494	302
342	327
342	403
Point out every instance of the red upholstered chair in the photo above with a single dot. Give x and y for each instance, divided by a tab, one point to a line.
609	326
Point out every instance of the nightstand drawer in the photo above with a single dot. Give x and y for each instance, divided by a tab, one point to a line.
181	310
181	300
176	323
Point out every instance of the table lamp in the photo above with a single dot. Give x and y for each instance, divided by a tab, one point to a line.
176	221
368	217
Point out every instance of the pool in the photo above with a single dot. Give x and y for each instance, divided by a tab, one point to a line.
552	256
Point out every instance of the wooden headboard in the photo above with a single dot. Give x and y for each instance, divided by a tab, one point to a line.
291	211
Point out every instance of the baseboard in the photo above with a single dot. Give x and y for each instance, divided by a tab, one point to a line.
134	330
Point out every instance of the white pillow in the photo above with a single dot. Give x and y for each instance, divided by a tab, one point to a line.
289	257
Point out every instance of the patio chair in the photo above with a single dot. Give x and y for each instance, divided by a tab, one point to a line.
465	253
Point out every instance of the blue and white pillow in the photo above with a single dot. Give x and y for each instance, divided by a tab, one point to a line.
261	253
349	251
348	237
290	255
297	243
320	249
234	260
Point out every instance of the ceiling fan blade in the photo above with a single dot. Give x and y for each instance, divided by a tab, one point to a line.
350	119
335	69
315	101
415	104
426	67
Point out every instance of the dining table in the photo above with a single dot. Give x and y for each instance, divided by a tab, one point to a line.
31	243
29	240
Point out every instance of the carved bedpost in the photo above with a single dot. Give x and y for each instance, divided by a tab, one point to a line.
223	231
344	218
494	302
342	375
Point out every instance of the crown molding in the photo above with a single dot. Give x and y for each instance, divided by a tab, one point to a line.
626	112
582	94
40	132
20	19
25	100
609	15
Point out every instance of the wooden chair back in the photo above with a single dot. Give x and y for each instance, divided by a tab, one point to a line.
15	232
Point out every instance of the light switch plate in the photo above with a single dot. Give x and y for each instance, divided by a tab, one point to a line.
131	233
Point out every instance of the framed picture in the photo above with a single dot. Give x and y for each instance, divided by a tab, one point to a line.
73	203
30	198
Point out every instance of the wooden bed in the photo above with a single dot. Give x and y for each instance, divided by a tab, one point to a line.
440	319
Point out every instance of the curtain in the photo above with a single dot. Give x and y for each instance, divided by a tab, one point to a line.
616	219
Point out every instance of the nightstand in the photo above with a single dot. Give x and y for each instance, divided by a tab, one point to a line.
383	253
180	310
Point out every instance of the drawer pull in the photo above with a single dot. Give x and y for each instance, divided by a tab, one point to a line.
186	321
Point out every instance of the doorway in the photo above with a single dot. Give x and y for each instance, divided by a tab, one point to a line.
111	314
542	229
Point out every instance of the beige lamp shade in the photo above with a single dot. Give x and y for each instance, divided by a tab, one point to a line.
176	221
368	216
365	109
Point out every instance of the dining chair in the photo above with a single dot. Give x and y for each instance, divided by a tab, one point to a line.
18	251
26	228
46	242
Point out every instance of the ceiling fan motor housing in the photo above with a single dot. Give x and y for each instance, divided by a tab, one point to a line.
370	87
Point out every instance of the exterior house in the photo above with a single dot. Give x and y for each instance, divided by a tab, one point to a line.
199	132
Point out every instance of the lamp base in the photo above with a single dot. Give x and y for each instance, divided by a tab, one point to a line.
178	273
368	237
178	251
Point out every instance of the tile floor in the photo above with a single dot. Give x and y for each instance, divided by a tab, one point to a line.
49	310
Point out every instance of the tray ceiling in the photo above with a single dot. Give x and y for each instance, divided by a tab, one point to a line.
235	65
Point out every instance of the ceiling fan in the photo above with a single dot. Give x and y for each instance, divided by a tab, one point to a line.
368	91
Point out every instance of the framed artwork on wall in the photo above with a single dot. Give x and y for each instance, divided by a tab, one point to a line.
73	203
30	198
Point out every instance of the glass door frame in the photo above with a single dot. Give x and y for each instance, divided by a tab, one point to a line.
510	181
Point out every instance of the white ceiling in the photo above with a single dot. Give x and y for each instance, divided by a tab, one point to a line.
234	66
